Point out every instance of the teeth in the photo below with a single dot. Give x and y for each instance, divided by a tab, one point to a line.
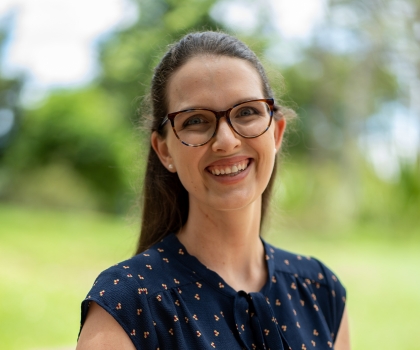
230	170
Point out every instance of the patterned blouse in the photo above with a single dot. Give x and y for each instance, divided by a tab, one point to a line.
165	298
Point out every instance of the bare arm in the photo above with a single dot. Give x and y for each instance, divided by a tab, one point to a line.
343	336
101	331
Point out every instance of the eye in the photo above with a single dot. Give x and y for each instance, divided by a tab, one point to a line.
247	111
194	120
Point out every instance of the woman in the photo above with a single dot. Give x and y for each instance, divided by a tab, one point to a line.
203	278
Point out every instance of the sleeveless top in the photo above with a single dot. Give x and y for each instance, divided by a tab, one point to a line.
165	298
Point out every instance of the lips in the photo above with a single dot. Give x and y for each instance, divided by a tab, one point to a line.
231	169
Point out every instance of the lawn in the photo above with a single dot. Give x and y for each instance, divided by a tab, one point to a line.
49	260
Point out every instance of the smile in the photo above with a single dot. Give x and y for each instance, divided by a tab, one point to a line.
229	170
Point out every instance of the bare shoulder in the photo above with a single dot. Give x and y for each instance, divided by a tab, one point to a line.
343	336
101	331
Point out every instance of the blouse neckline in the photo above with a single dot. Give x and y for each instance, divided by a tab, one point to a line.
194	265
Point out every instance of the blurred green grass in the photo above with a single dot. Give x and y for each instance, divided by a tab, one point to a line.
48	262
50	259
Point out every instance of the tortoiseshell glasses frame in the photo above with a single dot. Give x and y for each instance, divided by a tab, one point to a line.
208	121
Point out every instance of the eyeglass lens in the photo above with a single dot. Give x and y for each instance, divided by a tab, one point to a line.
197	126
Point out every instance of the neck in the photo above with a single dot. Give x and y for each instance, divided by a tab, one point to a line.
228	243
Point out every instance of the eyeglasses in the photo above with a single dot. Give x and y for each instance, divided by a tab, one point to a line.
196	127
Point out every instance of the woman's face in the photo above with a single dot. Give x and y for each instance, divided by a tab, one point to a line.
218	83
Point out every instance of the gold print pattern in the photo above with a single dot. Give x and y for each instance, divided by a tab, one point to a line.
294	284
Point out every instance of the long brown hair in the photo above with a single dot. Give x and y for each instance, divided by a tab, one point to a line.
165	200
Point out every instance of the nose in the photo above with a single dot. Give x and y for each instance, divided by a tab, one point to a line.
225	139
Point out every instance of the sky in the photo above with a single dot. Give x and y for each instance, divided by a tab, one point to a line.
53	41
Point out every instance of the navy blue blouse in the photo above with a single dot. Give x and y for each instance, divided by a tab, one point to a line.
165	298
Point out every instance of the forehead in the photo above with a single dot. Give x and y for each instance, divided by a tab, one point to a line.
216	82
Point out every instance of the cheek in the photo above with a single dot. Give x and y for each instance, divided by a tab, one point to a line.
267	155
187	163
190	178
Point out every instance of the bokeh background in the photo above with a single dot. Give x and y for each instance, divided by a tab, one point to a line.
72	77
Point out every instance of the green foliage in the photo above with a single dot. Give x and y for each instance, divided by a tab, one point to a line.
10	88
129	56
334	98
321	195
83	132
79	148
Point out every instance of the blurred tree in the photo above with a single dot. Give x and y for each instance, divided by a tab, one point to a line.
81	132
345	76
81	144
129	56
79	147
10	88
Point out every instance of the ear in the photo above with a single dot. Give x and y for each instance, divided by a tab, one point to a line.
160	146
279	128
